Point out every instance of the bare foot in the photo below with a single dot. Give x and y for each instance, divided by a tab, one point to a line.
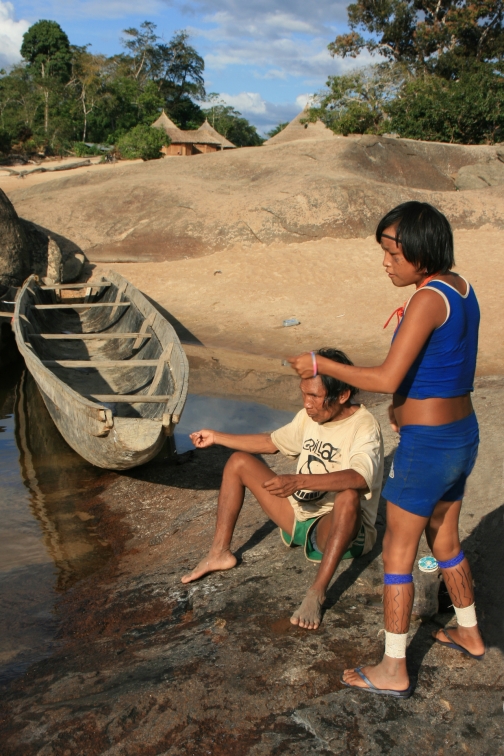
467	637
213	562
389	674
309	614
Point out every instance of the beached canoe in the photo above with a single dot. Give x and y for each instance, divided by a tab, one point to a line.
109	366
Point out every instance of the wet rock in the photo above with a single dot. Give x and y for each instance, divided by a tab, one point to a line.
146	665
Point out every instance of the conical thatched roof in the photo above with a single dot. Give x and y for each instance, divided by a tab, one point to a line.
205	128
204	135
296	130
167	125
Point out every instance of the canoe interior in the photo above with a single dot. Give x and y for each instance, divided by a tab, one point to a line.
123	317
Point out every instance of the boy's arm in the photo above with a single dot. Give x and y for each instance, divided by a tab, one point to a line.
254	443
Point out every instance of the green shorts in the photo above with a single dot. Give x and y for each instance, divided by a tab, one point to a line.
301	537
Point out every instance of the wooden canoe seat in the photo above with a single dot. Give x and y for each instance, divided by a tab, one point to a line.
6	315
80	305
89	285
130	398
100	363
104	335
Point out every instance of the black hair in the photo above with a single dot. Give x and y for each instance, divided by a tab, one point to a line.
333	386
425	235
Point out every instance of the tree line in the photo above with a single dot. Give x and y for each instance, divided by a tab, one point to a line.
440	75
62	96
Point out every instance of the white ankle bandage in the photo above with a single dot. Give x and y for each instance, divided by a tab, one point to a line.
466	616
395	645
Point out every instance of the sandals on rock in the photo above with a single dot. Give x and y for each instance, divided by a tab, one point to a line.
378	691
452	644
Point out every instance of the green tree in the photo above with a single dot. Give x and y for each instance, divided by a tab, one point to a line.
142	43
142	142
278	128
231	124
20	103
87	81
46	50
436	36
469	110
356	103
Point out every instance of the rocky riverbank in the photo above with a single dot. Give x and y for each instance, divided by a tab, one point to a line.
147	666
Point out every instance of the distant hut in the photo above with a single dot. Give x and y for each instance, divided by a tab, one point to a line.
295	130
204	139
205	129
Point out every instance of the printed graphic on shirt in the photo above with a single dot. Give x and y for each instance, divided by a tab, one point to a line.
321	449
315	464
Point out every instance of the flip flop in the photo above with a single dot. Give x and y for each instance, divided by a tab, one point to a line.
379	691
457	646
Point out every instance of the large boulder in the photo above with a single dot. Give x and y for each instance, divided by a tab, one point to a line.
15	261
487	172
26	248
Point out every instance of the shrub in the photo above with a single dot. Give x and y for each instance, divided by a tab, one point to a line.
83	150
142	142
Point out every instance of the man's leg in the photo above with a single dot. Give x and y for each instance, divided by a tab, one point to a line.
241	471
335	532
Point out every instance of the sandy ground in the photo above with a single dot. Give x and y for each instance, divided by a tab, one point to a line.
337	289
10	183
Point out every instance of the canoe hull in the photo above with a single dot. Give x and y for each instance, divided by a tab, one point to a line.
111	371
112	451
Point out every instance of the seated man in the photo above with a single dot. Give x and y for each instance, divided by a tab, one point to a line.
329	507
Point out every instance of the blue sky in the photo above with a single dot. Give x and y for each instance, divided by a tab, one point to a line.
265	57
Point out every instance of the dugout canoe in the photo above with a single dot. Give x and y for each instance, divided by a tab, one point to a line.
109	366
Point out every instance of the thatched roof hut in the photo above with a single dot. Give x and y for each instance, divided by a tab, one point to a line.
296	130
204	139
205	129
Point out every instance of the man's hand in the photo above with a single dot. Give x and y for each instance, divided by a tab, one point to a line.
392	419
202	439
283	485
302	364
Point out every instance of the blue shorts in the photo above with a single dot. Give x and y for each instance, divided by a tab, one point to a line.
431	464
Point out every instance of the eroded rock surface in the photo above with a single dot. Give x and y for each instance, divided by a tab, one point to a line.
480	175
288	193
25	249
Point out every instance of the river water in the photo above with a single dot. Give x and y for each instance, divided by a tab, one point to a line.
47	543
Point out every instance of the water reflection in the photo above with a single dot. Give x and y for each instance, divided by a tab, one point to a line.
48	538
46	542
229	415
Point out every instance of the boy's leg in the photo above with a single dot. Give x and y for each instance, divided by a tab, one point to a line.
242	471
335	532
443	538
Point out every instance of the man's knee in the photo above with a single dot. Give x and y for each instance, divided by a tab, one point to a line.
237	462
347	504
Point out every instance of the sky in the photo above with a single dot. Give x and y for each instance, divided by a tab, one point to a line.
264	57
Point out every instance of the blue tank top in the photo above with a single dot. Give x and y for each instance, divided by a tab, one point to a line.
446	364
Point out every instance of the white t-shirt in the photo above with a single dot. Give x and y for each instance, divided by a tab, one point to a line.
354	443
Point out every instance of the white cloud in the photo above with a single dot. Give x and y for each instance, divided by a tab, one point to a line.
11	35
246	102
303	100
283	39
